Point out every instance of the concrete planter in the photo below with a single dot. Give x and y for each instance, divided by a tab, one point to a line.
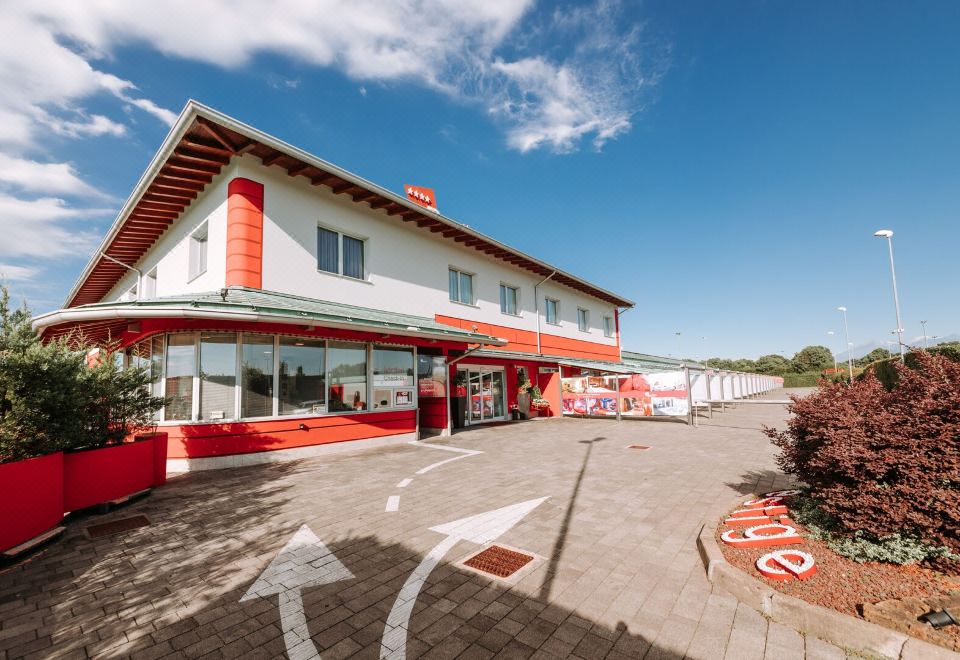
96	476
31	492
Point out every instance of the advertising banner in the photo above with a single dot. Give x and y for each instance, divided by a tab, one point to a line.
640	395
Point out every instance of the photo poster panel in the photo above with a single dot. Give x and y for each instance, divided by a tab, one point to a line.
641	395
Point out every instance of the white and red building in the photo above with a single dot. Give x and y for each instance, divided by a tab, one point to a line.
284	304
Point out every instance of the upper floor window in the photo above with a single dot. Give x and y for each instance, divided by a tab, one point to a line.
461	287
552	308
583	319
339	254
608	326
508	299
198	252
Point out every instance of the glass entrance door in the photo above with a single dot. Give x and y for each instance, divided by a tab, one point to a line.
486	389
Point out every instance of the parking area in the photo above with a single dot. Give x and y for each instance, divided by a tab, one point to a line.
358	555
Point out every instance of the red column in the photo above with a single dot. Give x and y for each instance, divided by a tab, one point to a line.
245	233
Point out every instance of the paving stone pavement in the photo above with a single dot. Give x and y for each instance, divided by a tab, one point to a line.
619	577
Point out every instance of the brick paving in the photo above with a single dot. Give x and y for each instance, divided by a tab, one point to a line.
620	575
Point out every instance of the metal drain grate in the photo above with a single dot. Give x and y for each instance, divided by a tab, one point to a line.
116	526
640	447
498	561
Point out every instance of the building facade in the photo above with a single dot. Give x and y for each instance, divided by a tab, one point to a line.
286	306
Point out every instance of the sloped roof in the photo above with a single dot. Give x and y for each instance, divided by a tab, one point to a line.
244	304
196	149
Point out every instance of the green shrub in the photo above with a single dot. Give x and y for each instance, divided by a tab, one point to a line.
809	379
886	370
51	400
860	547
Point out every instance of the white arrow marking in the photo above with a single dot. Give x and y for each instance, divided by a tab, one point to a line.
304	562
480	529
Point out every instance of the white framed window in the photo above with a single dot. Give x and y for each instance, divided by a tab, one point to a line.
198	252
583	319
150	285
552	310
608	327
340	254
461	286
509	300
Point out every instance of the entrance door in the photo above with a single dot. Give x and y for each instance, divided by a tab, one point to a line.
487	391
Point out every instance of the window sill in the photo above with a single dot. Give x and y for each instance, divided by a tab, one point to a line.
516	316
200	274
473	305
344	277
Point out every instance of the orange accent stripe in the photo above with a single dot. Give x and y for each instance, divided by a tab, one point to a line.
245	233
525	341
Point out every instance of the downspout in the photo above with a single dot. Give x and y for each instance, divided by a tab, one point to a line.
536	307
449	364
618	313
127	266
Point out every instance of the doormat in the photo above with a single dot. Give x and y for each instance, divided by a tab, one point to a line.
498	561
640	447
116	526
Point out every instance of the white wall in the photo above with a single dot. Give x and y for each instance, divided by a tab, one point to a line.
406	266
171	254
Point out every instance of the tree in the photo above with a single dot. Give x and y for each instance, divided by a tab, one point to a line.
51	400
813	358
873	356
773	364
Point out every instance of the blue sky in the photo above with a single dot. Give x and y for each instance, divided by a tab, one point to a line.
723	164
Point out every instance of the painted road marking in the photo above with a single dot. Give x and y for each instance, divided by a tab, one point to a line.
480	529
439	463
303	562
418	443
404	483
393	503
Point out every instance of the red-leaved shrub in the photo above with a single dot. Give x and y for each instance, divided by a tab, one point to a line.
882	462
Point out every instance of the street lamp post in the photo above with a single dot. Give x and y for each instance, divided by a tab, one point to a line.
924	325
846	330
679	352
887	234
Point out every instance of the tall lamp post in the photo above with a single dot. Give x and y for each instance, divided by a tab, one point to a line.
924	325
830	332
846	330
679	350
887	234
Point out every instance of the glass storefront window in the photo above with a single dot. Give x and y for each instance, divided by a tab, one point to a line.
432	375
156	369
392	377
181	364
301	387
256	393
348	376
218	376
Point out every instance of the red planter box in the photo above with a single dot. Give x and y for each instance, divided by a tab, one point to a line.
95	476
31	498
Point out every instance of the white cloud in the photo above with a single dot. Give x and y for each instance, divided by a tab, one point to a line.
51	178
572	74
43	228
15	273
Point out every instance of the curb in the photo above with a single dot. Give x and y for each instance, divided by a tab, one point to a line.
840	629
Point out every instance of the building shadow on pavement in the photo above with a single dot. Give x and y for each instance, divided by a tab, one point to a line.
106	597
173	588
